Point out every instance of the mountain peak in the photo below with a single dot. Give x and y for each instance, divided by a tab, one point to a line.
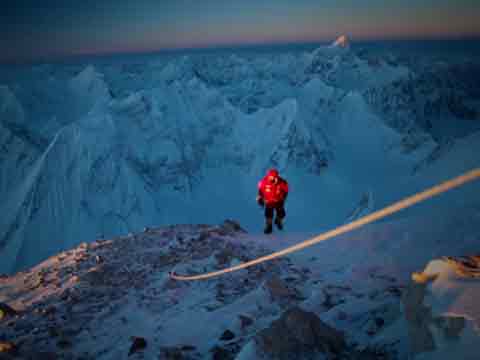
342	42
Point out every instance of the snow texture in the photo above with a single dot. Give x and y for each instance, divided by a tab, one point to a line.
104	149
90	152
91	301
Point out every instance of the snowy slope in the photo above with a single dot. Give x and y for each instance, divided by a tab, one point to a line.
93	300
103	150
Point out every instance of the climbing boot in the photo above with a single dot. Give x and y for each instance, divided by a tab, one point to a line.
279	223
268	227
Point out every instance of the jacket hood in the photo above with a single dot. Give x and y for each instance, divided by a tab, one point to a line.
272	172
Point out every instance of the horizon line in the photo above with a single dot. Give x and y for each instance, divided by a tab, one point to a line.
65	57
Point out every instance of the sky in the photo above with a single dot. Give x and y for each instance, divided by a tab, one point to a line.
32	29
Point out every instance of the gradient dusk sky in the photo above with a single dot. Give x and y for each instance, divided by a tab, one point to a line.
31	29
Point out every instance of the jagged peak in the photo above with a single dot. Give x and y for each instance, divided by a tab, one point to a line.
89	88
342	42
11	110
339	46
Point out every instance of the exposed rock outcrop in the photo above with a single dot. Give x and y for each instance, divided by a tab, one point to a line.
299	334
439	308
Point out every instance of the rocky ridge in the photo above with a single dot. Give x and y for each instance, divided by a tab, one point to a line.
113	299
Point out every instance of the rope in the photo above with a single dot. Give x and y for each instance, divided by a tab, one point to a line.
400	205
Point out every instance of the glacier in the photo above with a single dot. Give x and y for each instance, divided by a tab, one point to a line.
91	151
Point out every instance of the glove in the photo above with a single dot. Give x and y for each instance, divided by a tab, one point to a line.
260	201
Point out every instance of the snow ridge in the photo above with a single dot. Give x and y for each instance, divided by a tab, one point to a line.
359	307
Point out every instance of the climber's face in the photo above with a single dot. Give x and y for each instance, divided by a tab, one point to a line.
273	179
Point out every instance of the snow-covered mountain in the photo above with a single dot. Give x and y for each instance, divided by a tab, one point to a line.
442	100
92	151
342	41
363	295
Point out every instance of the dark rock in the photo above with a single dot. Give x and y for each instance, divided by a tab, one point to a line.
227	335
44	355
224	256
179	352
245	321
53	331
278	289
379	322
138	344
298	333
418	317
370	354
6	311
395	290
219	353
342	315
232	226
64	343
452	326
172	353
7	347
23	325
49	310
188	348
465	266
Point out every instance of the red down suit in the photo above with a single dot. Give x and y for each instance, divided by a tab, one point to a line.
273	189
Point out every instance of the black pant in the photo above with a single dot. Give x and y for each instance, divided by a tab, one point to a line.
278	207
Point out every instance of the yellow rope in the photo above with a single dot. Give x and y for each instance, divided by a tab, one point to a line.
400	205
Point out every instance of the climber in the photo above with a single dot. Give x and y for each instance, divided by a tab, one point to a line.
272	193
